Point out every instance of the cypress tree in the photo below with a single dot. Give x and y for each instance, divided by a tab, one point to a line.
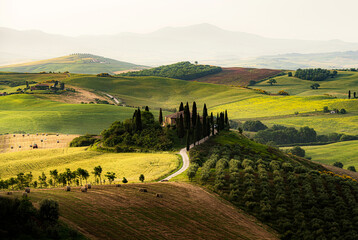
226	120
146	108
160	117
349	94
194	114
198	129
222	121
217	122
187	140
181	130
212	124
138	120
181	107
187	116
354	94
205	123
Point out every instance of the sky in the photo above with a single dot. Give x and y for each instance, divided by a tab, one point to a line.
293	19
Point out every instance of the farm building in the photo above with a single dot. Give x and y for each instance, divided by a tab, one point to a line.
172	118
41	86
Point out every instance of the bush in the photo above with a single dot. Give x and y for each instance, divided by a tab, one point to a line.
343	111
282	92
352	168
49	210
298	151
254	126
338	164
82	141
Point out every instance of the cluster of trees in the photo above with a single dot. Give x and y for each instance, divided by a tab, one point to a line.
104	75
19	219
281	135
254	126
340	165
15	83
55	178
327	110
294	197
195	127
181	70
316	74
139	132
82	141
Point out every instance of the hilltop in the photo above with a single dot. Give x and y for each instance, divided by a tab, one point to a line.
74	63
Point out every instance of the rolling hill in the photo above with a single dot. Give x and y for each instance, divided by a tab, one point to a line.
74	63
184	212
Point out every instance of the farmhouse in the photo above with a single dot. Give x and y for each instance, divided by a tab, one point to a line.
41	86
172	118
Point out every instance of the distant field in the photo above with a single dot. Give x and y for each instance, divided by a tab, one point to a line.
28	114
238	76
184	212
129	165
22	142
345	152
338	86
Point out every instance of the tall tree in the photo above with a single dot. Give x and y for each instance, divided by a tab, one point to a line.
138	121
181	107
194	115
226	120
212	124
187	140
205	122
187	116
218	122
54	175
181	130
349	94
146	108
160	116
198	129
97	171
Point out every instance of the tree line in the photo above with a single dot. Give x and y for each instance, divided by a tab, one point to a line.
180	70
78	177
316	74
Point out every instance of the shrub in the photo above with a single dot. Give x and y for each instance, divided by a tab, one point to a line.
298	151
325	109
282	92
82	141
343	111
254	126
338	164
352	168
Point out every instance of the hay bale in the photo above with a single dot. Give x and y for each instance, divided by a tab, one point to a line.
67	188
14	135
57	134
23	135
28	134
143	190
58	141
30	146
159	195
118	185
12	147
83	189
88	186
24	194
9	193
19	146
27	190
42	140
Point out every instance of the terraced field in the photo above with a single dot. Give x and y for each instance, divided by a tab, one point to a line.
184	212
129	165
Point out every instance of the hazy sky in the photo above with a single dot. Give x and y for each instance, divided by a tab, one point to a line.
302	19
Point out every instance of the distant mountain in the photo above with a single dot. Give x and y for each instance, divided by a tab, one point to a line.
203	42
74	63
296	60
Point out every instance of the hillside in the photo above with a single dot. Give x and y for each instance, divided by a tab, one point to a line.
296	197
74	63
239	76
184	212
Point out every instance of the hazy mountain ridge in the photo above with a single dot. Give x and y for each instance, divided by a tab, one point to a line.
202	42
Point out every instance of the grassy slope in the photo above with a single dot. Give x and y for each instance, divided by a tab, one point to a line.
73	64
130	165
184	212
26	113
238	76
337	86
345	152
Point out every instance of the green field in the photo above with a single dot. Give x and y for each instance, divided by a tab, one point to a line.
79	63
345	152
29	114
337	86
129	165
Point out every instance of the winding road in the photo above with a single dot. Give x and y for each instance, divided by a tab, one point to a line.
184	154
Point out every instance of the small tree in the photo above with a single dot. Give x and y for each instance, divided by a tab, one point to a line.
42	180
110	176
124	180
160	117
289	74
352	168
97	171
54	175
315	86
272	81
325	109
343	111
141	178
338	164
298	151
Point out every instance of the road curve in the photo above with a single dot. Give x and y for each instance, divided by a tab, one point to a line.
184	154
